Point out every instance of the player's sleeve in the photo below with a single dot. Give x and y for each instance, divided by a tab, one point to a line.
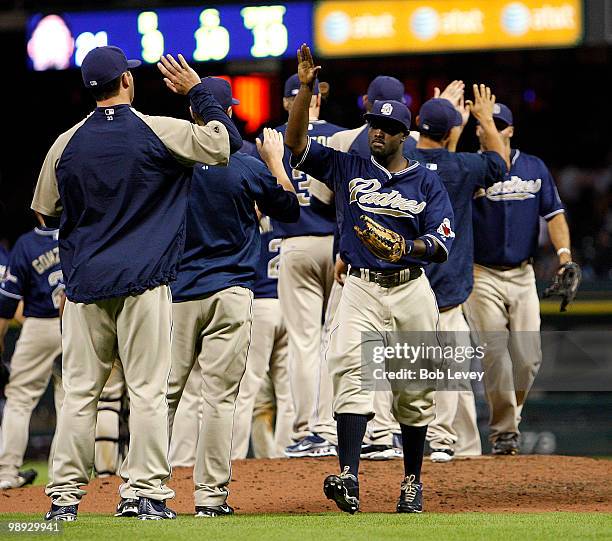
321	162
46	195
14	282
438	223
271	198
488	167
550	202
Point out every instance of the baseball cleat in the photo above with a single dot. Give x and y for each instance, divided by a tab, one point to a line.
442	455
312	446
64	513
371	451
149	509
344	490
214	511
22	479
506	444
127	507
411	496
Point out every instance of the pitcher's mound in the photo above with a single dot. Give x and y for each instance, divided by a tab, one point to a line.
500	484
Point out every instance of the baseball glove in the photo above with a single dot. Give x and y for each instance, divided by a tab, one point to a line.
565	284
382	242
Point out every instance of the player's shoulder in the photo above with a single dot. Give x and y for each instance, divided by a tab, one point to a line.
325	127
519	158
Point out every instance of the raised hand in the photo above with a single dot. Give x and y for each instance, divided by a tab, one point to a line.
484	101
307	71
272	147
453	92
179	77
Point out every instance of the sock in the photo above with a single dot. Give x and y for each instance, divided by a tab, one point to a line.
414	446
351	430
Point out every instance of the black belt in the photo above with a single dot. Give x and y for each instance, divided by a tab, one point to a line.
387	278
507	268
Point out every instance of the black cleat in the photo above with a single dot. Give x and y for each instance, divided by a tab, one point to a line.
344	490
214	511
506	444
23	479
127	507
149	509
411	496
65	513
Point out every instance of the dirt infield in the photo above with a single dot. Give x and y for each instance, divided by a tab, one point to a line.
487	484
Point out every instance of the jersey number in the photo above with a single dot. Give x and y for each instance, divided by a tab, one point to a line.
273	264
303	185
55	281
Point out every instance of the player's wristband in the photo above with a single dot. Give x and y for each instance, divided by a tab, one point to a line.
564	251
409	246
430	247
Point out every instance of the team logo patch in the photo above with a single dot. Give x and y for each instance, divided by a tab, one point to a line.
496	109
365	192
386	109
445	229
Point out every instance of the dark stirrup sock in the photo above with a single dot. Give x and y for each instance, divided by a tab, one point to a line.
351	430
413	439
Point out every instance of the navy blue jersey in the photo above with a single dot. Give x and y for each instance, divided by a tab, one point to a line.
34	275
310	222
266	284
249	148
119	180
222	244
507	214
412	202
361	147
4	260
460	173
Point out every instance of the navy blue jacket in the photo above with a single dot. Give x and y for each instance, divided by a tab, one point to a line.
119	180
222	248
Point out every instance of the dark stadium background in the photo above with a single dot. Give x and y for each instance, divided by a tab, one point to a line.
562	104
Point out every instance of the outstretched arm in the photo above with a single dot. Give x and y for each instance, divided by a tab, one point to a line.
560	237
296	135
482	109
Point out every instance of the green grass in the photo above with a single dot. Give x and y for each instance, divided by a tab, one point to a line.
341	527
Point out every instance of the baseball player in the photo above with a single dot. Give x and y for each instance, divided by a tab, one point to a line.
34	276
212	295
388	197
304	285
267	356
383	440
119	181
440	122
504	299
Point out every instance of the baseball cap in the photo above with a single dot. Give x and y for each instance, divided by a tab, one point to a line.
502	112
384	87
221	90
292	86
391	111
437	116
103	64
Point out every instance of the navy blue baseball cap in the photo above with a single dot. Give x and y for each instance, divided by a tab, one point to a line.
502	112
103	64
384	87
437	116
221	90
292	86
391	111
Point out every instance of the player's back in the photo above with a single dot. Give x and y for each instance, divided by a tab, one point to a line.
124	196
34	273
310	222
222	236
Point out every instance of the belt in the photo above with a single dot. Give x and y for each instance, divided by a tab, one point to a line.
507	268
387	278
